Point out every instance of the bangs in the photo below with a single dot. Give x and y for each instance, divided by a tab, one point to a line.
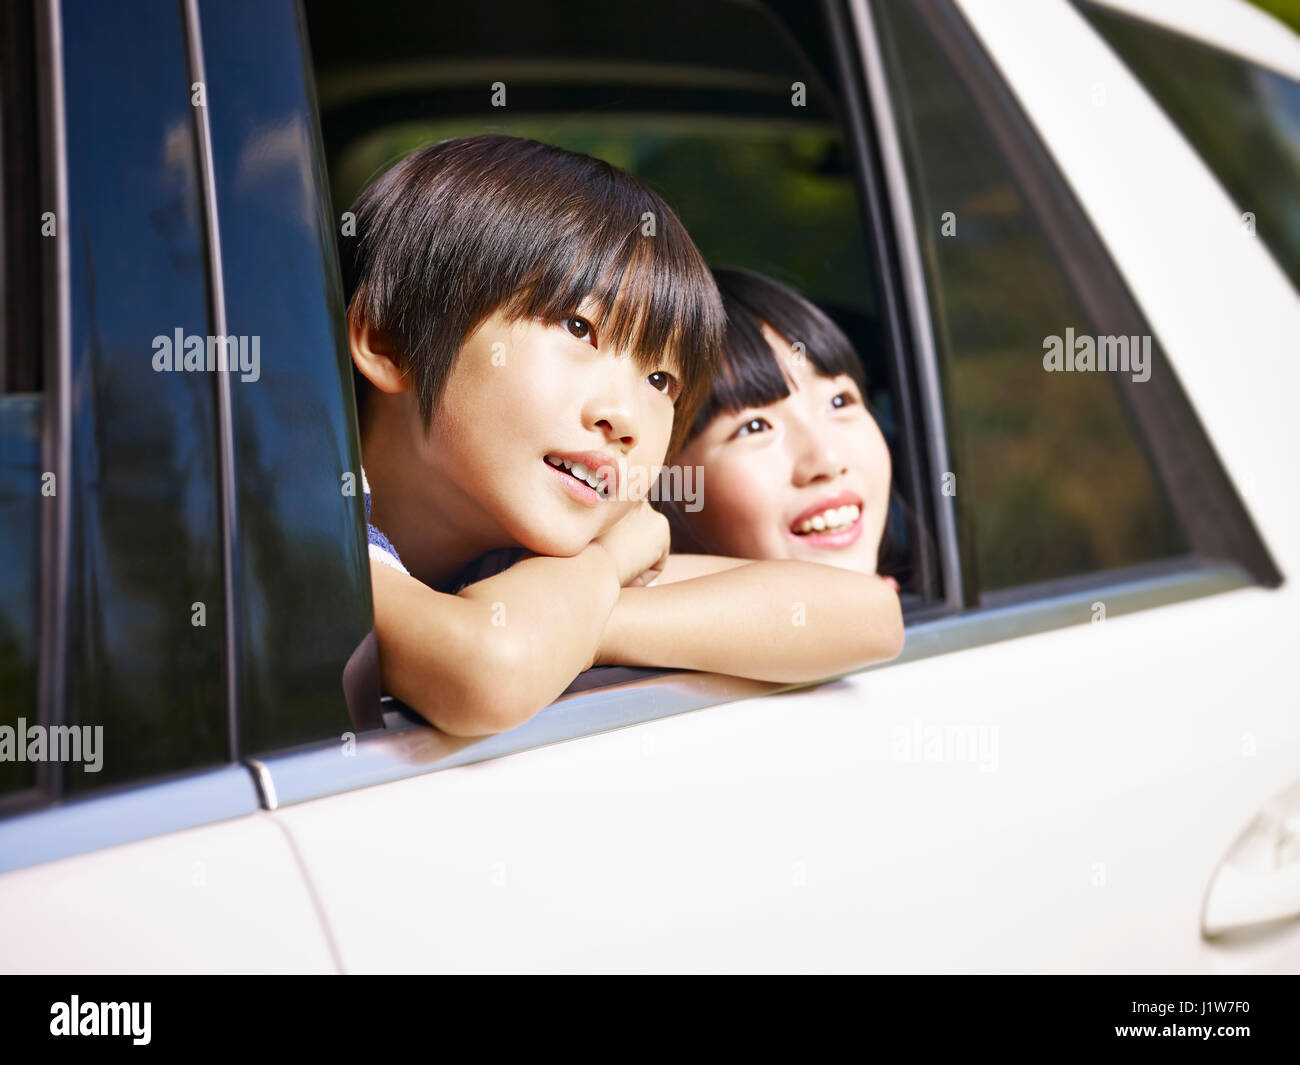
459	230
749	374
653	294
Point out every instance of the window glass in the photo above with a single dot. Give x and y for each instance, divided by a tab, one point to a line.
145	613
1244	120
303	576
21	402
20	526
1051	480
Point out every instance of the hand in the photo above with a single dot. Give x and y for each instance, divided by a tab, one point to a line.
639	545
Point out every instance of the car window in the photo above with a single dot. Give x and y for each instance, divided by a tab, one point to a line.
145	600
738	124
22	407
1243	119
1050	478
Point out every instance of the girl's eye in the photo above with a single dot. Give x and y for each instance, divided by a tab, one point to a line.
664	382
754	425
844	399
579	328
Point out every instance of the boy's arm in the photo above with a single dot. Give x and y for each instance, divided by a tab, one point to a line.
781	621
487	659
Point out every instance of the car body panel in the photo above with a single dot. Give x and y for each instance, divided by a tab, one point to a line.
1235	26
812	830
223	898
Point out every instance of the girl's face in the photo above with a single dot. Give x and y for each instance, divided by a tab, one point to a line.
523	397
804	478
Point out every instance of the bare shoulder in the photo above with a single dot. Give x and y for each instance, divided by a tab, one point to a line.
685	567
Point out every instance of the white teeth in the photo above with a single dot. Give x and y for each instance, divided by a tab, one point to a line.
580	471
834	518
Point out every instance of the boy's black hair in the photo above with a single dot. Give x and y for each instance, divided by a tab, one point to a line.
461	229
748	373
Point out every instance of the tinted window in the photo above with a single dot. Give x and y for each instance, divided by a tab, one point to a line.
145	604
1051	479
1243	119
303	577
21	404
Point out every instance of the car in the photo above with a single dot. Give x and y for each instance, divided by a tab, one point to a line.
1085	758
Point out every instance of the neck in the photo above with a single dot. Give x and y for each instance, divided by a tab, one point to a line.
425	518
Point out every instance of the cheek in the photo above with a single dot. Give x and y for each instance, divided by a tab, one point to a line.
863	444
741	506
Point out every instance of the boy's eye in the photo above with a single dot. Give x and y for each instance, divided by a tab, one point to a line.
579	328
664	382
844	399
754	425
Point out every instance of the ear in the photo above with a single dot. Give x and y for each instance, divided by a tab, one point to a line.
374	355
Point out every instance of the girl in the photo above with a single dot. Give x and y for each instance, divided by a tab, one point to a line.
795	466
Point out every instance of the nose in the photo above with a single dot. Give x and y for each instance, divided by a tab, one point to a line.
610	409
814	455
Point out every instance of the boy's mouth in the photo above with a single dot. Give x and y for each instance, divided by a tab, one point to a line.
833	522
591	476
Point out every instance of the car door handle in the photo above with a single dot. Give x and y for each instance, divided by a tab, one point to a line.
1259	879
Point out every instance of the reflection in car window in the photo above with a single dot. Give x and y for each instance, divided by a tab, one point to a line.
21	399
1244	121
145	628
1051	480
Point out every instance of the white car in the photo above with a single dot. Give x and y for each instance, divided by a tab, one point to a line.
1085	759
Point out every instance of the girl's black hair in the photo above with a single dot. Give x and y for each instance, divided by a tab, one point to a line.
463	228
748	373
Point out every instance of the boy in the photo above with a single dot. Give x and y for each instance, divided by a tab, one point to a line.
531	327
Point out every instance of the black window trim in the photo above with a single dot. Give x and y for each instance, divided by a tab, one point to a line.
216	298
56	513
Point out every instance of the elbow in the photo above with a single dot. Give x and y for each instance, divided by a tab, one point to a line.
892	641
887	641
491	697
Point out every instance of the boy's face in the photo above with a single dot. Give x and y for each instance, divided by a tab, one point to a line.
774	474
525	392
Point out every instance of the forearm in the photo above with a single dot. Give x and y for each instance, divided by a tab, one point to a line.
550	613
785	622
489	658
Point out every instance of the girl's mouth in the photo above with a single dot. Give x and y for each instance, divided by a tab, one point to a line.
836	522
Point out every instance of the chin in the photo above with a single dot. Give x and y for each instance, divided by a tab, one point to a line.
556	543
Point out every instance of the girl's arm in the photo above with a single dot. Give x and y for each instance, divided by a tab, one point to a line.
781	621
487	659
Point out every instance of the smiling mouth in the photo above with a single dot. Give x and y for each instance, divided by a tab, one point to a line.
830	520
580	473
